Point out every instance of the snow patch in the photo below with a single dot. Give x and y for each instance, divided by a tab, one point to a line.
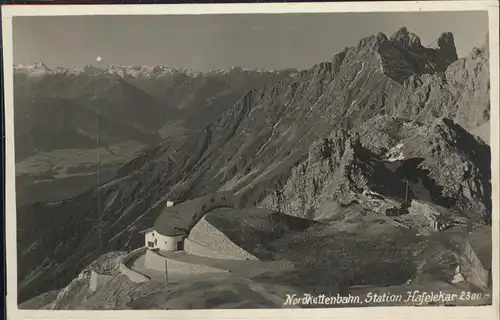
396	153
32	70
357	74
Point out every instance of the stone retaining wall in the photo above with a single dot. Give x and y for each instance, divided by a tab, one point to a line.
134	276
206	234
196	248
97	279
176	267
133	255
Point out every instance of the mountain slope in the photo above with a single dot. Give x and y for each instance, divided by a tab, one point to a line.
82	104
147	100
202	96
52	123
261	144
105	115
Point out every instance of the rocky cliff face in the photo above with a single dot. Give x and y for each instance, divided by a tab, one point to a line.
453	160
441	162
461	92
353	129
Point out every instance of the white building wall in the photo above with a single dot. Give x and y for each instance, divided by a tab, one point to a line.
149	237
162	242
168	243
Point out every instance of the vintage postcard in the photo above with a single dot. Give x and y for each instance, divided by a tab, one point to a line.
308	161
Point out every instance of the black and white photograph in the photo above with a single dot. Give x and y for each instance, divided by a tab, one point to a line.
284	160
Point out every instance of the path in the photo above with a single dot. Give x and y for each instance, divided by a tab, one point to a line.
154	275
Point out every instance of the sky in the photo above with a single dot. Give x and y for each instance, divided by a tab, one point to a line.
205	42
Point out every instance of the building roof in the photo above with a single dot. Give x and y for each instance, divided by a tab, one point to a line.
181	218
178	219
147	230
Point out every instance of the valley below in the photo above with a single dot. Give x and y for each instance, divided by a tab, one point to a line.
63	174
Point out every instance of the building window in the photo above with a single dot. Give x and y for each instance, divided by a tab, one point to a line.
223	198
150	244
212	200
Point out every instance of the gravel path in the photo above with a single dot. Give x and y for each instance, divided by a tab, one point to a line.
154	275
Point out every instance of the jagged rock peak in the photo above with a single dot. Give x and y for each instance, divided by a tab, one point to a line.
338	58
486	45
36	65
37	69
40	64
373	40
381	37
476	52
446	45
89	69
405	40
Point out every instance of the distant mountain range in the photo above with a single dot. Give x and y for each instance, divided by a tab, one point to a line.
307	143
126	103
131	109
130	72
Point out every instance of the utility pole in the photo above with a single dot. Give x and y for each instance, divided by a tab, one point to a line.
99	213
98	182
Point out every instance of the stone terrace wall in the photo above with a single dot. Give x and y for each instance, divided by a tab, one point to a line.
134	276
97	279
196	248
207	235
133	255
186	268
174	268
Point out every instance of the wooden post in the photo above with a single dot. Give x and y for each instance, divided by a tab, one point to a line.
166	271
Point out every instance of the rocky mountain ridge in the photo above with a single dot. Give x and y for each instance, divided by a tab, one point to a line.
441	162
261	148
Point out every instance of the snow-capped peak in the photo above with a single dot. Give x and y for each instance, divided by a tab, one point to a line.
34	70
87	69
140	71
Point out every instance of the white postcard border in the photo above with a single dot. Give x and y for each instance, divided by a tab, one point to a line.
491	312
